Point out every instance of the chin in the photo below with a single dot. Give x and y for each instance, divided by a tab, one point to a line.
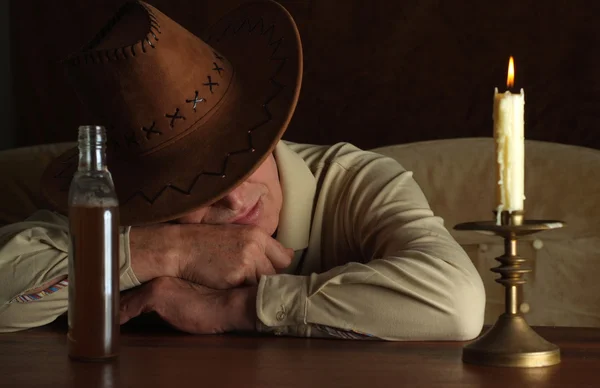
268	225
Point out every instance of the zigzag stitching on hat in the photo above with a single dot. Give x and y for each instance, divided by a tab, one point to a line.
265	106
97	56
263	31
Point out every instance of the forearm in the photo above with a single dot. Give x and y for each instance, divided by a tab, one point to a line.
21	316
418	284
33	260
409	298
32	254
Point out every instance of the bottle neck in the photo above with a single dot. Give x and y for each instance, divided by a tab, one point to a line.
91	159
92	149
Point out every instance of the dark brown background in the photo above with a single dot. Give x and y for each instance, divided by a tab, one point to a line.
376	72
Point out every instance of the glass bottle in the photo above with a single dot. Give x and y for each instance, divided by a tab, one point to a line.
93	253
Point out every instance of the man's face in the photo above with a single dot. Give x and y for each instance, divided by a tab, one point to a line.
256	201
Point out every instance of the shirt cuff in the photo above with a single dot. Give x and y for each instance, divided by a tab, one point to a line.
127	278
281	305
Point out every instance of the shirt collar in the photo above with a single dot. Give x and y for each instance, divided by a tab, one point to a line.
298	186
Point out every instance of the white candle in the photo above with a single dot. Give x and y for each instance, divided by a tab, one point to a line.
509	135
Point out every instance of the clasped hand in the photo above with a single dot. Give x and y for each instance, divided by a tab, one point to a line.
201	278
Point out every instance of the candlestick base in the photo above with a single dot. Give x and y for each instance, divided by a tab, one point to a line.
511	342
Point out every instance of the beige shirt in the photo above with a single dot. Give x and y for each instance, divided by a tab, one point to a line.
371	257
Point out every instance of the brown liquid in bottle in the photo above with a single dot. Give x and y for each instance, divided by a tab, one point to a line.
93	283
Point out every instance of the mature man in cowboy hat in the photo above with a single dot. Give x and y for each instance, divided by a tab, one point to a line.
226	227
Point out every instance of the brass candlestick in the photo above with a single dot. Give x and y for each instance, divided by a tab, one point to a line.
511	341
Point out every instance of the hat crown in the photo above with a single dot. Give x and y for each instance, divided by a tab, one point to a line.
148	79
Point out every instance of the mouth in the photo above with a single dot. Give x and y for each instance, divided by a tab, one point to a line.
249	216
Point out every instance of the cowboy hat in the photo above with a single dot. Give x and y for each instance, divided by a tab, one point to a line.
187	119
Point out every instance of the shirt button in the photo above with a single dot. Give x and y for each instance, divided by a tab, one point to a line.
280	316
483	247
537	244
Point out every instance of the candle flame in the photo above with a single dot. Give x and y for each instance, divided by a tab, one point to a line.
510	80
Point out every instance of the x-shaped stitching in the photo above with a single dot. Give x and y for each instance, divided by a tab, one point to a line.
174	117
151	130
217	68
196	100
210	84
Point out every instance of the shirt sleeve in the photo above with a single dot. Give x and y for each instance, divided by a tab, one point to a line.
391	269
33	253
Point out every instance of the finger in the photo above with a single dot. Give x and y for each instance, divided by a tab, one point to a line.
262	267
134	303
279	256
191	307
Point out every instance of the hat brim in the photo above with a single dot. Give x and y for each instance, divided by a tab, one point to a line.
262	42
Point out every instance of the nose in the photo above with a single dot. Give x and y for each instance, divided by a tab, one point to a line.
234	200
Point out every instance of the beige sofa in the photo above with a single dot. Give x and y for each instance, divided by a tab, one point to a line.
457	175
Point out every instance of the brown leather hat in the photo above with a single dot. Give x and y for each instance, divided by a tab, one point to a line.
187	119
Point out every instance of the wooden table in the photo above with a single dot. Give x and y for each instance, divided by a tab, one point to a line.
164	358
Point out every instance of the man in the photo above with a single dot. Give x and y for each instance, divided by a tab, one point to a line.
231	229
